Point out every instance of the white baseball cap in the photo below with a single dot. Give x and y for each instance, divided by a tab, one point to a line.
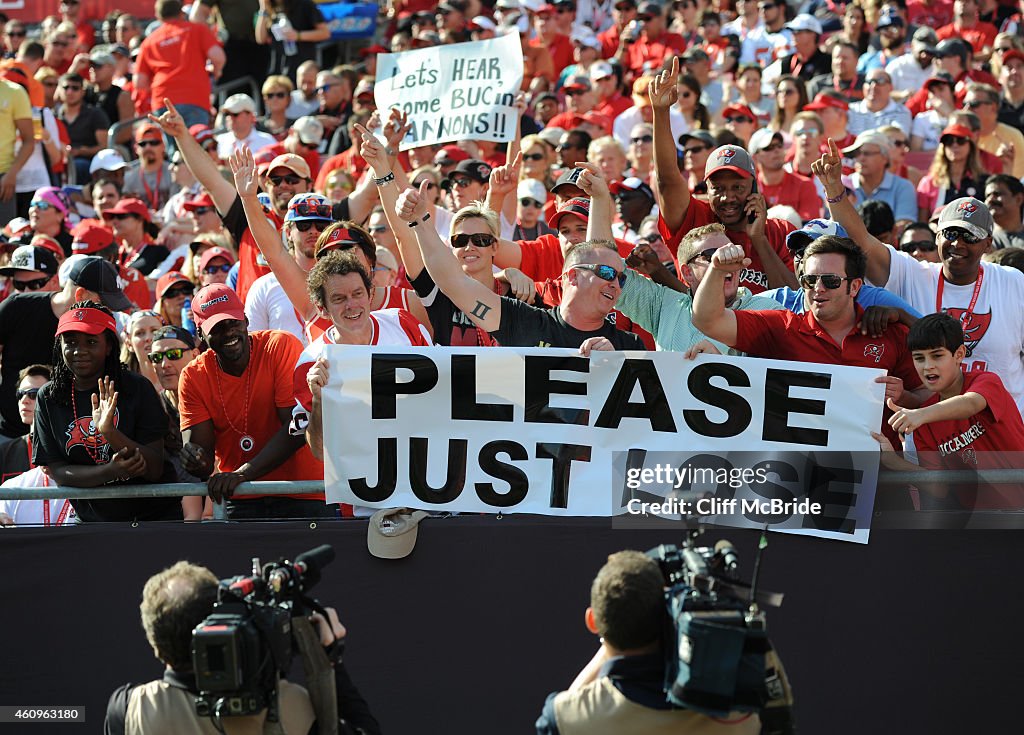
107	160
805	22
532	189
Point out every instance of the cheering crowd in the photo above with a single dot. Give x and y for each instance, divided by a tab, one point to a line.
831	183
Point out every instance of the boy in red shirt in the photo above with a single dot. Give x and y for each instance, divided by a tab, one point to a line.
970	422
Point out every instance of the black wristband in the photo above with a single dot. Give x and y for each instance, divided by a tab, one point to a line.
385	179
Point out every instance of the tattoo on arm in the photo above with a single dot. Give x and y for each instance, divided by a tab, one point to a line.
480	310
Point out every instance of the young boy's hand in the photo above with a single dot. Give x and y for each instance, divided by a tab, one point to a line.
905	420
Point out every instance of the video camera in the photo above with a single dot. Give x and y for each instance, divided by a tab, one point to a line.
241	649
717	641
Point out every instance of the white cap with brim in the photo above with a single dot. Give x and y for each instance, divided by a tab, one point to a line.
532	189
805	22
392	533
107	160
870	137
239	103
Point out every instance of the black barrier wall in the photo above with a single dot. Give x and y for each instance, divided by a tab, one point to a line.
914	633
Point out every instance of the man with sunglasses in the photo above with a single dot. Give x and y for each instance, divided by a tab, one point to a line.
1004	197
634	201
239	112
918	239
149	178
31	268
830	332
13	36
985	297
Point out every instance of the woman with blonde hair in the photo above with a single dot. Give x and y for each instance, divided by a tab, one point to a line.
138	338
609	156
955	172
1004	42
538	158
277	93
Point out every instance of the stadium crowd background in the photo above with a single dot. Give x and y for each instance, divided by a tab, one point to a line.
195	262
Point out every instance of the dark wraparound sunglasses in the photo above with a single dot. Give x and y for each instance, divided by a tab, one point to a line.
214	269
319	224
34	285
955	233
604	272
924	246
829	280
29	393
480	240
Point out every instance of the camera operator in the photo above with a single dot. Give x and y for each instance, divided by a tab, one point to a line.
622	688
174	602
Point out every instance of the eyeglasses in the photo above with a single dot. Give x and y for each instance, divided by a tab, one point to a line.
829	280
379	228
16	34
34	285
147	143
738	119
430	183
325	87
275	95
479	240
530	202
533	156
41	204
604	272
29	393
641	139
644	18
215	269
695	149
923	246
876	81
955	233
704	255
651	239
975	104
954	140
461	183
71	87
173	293
290	179
175	353
320	225
900	144
200	211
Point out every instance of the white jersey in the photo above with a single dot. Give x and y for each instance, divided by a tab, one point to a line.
993	330
268	307
51	512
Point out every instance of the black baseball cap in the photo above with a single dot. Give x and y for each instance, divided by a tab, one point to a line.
472	168
99	276
31	258
569	177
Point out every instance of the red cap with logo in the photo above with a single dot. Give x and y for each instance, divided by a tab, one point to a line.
91	236
167	280
203	200
578	207
90	321
214	304
216	253
129	205
824	101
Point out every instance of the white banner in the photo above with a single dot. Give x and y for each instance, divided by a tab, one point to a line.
736	441
454	92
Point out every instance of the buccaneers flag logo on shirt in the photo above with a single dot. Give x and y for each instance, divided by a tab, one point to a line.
82	433
974	325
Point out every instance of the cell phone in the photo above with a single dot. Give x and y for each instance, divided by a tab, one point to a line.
753	190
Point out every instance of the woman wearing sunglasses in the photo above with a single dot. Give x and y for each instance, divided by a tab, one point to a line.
97	424
955	171
172	289
277	93
133	227
538	158
142	326
215	265
48	215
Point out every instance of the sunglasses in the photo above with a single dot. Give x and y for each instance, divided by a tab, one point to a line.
16	34
430	184
773	147
876	81
461	183
290	179
41	204
173	293
829	280
954	140
119	216
924	246
327	86
604	272
236	114
479	240
308	208
562	10
955	233
685	95
574	92
147	143
199	211
651	239
275	95
215	269
175	353
805	132
644	18
379	228
738	119
975	104
530	202
694	149
320	225
34	285
901	144
704	255
29	393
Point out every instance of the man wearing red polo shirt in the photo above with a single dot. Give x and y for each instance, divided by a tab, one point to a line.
654	45
558	45
732	199
580	99
828	332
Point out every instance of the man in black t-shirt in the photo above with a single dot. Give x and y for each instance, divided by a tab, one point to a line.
592	281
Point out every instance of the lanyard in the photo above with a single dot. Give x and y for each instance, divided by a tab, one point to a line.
61	517
152	196
974	297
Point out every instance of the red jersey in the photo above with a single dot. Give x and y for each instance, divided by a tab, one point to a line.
542	259
981	35
394	298
609	42
561	51
644	50
566	120
933	15
795	191
614	106
783	335
249	268
753	277
310	157
134	285
991	439
247	405
174	59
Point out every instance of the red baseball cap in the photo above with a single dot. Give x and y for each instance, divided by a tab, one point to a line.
167	280
129	205
214	304
824	101
578	207
147	132
48	243
91	236
203	200
959	130
339	238
90	321
602	121
743	110
1012	54
216	253
201	133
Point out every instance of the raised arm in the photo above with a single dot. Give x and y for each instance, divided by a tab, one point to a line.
674	192
709	313
197	160
602	206
477	301
829	170
291	277
503	181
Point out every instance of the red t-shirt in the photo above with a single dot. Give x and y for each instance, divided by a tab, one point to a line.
645	50
795	191
934	15
543	260
561	50
249	268
614	106
753	277
981	36
566	120
310	157
991	439
135	287
609	42
783	335
174	59
250	401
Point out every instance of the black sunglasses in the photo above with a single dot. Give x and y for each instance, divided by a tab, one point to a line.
955	233
954	139
533	156
214	269
924	246
290	179
651	239
530	202
738	119
202	210
604	272
147	143
703	254
320	224
27	393
275	95
175	353
34	285
172	293
642	139
695	149
829	280
461	183
479	240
